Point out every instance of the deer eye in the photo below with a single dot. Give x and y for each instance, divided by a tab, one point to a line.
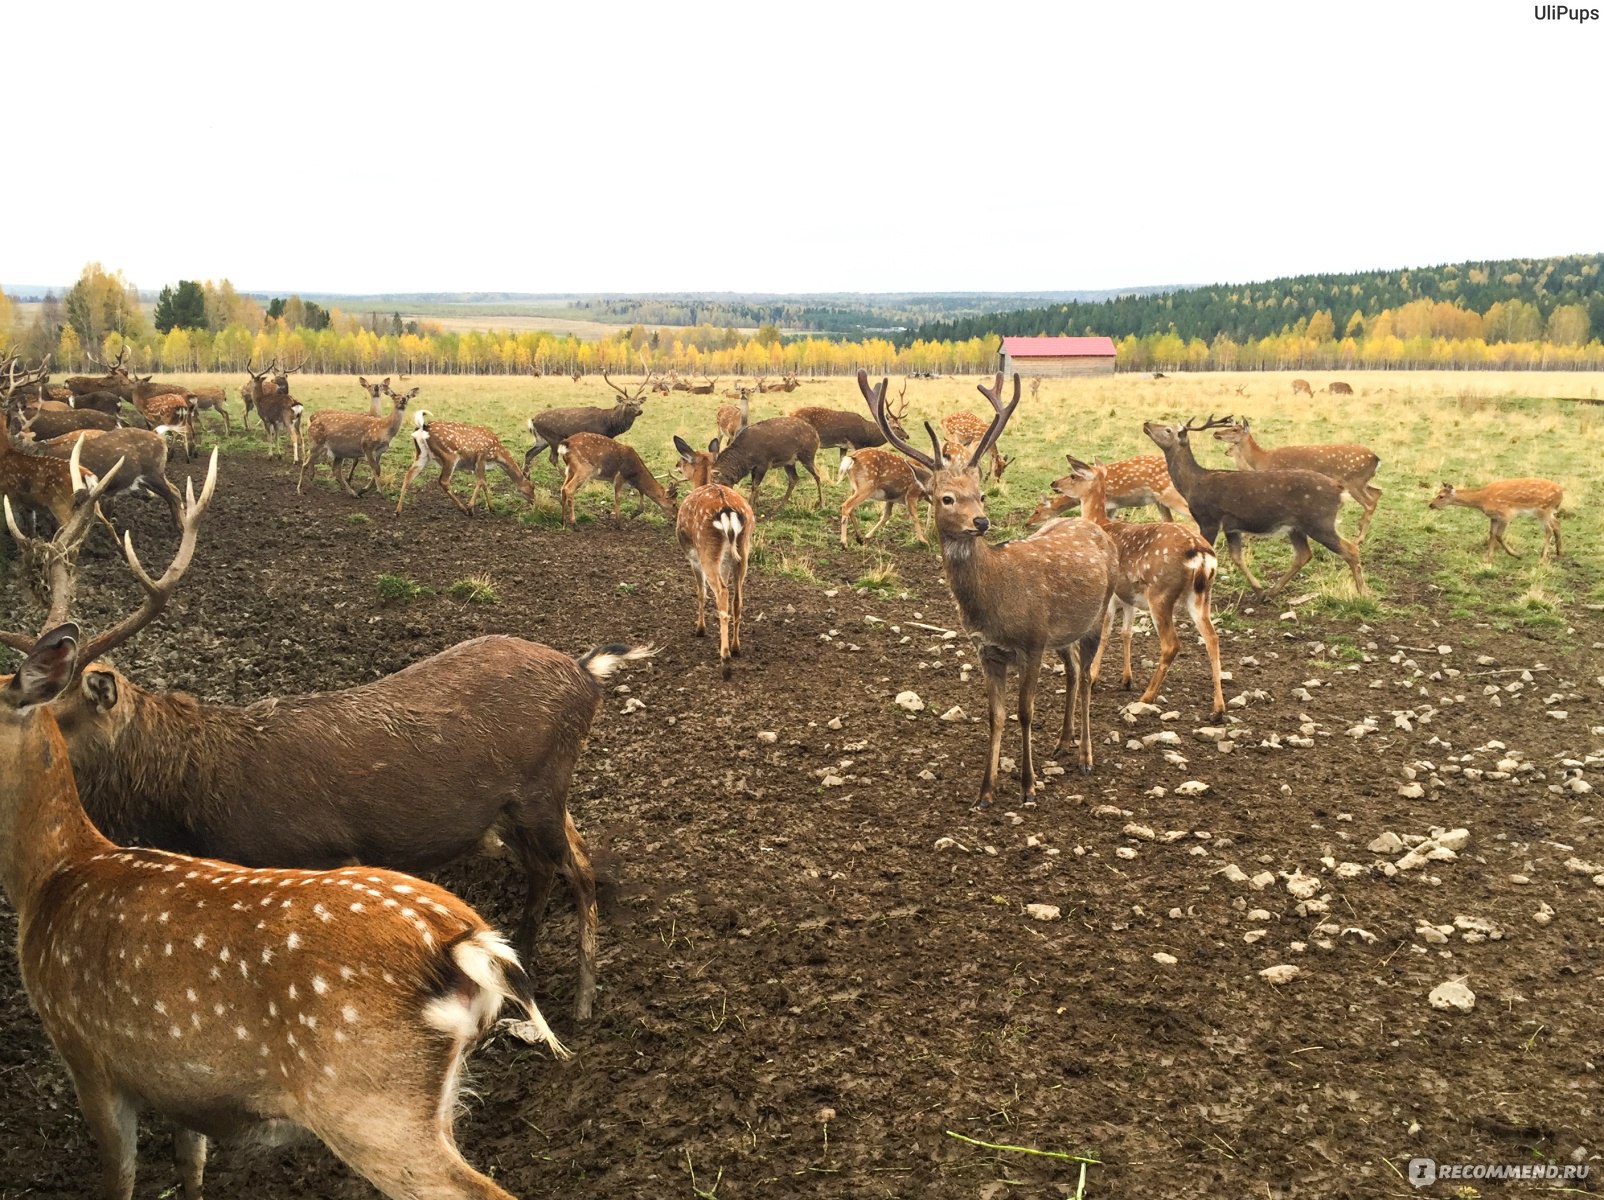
947	498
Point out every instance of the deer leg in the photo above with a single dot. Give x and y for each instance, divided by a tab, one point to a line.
1085	651
410	1154
566	496
1162	609
1199	599
618	499
913	518
309	465
790	485
345	481
1551	525
1335	542
849	515
702	589
1370	498
1097	663
1301	554
418	463
113	1123
1029	675
994	663
737	592
818	484
885	516
1233	539
1072	673
757	482
534	452
447	470
189	1156
721	597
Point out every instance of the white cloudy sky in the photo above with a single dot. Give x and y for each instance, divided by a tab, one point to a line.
825	146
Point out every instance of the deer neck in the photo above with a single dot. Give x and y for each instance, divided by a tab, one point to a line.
1182	465
43	828
975	575
1094	504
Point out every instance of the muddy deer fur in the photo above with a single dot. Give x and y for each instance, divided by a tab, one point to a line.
342	1000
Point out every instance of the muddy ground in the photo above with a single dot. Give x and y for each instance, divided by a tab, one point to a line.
808	988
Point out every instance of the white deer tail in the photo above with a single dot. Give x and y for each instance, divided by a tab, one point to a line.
486	960
602	661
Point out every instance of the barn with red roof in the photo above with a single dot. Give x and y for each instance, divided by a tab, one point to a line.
1056	356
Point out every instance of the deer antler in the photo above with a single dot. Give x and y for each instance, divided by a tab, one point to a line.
994	395
1212	423
876	399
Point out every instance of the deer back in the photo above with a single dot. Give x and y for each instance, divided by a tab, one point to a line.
850	431
771	443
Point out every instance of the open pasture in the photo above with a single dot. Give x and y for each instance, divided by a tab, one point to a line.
817	965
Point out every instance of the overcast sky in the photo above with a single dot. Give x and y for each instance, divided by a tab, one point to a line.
826	146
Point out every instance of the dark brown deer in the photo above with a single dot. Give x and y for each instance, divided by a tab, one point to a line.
143	456
1303	504
114	380
1018	599
260	386
1161	566
1338	388
1351	465
714	528
222	998
556	425
778	442
327	779
588	456
846	431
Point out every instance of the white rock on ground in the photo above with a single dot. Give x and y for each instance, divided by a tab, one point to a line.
1280	973
1043	912
1192	787
1452	994
909	701
1165	960
954	714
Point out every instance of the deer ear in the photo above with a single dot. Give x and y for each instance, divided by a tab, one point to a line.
47	670
684	448
101	688
712	447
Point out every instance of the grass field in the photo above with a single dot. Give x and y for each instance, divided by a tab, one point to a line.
1467	428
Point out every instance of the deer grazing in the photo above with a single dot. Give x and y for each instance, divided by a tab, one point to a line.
1338	388
341	1000
714	528
964	431
1300	387
454	444
848	431
352	437
556	425
280	412
1161	564
1351	465
887	476
1503	501
1129	483
323	780
1303	504
587	456
141	453
1017	599
777	442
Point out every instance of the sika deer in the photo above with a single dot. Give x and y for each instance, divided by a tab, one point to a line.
1351	465
373	774
352	437
556	425
588	456
376	394
887	476
143	456
1017	599
1160	564
777	442
732	418
280	412
964	431
848	431
39	482
1131	483
1506	499
453	444
341	1000
1303	504
1300	387
714	528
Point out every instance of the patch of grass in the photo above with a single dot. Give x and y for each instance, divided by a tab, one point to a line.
397	589
359	519
475	589
881	580
795	566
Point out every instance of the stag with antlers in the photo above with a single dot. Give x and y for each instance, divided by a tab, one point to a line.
556	425
280	412
1018	599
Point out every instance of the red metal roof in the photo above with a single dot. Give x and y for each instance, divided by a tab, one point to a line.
1058	347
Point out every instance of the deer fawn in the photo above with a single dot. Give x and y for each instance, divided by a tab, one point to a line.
1160	565
1303	504
220	997
453	444
1351	465
1506	499
1131	483
887	476
714	528
1018	599
588	456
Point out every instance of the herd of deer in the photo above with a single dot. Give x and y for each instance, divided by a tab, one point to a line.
262	959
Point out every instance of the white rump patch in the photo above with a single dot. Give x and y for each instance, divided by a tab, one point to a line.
729	524
847	463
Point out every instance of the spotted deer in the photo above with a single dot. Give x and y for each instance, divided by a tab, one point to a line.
587	456
1351	465
39	482
221	998
1161	565
164	408
886	476
454	444
1300	387
714	528
212	399
964	431
352	437
141	453
280	412
376	393
1301	504
846	431
555	425
732	418
1017	599
1130	483
1505	500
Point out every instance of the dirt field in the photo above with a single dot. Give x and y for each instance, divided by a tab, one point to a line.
817	963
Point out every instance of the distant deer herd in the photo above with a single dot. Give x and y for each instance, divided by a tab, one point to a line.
213	925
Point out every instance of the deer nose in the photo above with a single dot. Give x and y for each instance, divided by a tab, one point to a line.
982	524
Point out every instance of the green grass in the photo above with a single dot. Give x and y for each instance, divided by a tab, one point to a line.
475	589
396	589
1465	427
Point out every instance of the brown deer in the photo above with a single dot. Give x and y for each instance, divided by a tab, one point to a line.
1351	465
211	399
324	780
732	418
556	425
588	456
280	412
352	437
1340	389
45	425
846	431
114	380
453	444
39	482
1130	483
1300	387
163	408
1017	599
376	394
714	528
343	1000
143	456
705	388
1303	504
777	442
964	431
1161	564
887	476
1503	501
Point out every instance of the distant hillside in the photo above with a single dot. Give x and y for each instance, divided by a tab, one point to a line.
1248	312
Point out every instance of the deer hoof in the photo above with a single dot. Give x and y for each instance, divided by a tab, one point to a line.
1086	768
1062	751
725	668
981	805
699	632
